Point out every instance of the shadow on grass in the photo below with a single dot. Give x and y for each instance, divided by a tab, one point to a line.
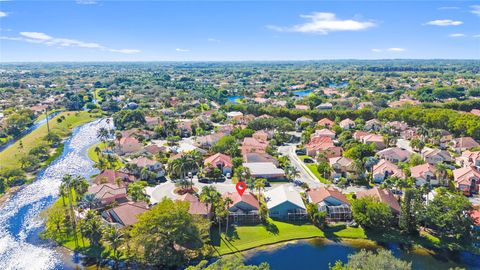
272	228
329	232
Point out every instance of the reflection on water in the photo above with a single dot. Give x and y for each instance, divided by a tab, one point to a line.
320	253
20	247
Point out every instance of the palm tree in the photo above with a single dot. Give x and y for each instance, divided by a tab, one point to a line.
260	183
89	202
441	172
227	202
210	195
67	183
98	151
115	238
103	134
135	190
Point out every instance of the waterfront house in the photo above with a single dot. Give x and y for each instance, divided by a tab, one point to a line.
125	214
243	209
285	203
331	201
384	196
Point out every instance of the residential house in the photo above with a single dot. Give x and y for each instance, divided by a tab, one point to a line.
331	201
302	107
384	169
464	143
394	154
469	158
262	135
475	112
435	156
235	115
285	203
373	124
150	164
347	123
384	196
409	134
367	138
396	125
109	193
153	121
467	179
424	174
114	177
243	209
301	120
325	133
125	214
266	170
322	146
221	161
155	149
260	157
324	106
325	122
209	140
185	127
197	207
128	145
341	166
252	145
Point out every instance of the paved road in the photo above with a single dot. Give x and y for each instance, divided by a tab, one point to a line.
305	174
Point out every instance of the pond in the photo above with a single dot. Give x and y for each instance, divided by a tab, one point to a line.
20	224
302	93
234	99
338	85
319	253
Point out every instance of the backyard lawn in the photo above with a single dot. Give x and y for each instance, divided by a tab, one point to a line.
94	157
246	237
10	157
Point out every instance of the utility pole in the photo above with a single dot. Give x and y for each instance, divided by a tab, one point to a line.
48	125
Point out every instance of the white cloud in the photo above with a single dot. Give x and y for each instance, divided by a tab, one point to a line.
182	50
475	9
396	49
86	2
213	40
323	23
3	14
389	50
42	38
445	23
125	51
448	8
457	35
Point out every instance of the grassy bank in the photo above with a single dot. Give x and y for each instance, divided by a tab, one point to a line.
247	237
94	157
10	157
242	238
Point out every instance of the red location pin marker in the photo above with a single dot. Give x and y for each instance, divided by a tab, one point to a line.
241	187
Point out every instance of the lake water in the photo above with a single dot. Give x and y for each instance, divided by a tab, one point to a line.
233	99
20	224
319	253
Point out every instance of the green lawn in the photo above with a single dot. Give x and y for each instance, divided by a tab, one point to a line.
94	157
313	169
246	237
99	98
9	158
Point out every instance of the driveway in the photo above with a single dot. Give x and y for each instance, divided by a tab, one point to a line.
305	174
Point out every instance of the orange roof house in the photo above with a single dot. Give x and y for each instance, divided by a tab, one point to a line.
382	195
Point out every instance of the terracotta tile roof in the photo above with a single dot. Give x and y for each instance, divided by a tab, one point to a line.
196	206
325	122
110	176
143	162
317	195
386	166
420	170
218	159
247	198
108	192
383	195
465	142
464	175
127	213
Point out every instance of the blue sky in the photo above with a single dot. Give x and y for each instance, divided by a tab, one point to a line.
89	30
